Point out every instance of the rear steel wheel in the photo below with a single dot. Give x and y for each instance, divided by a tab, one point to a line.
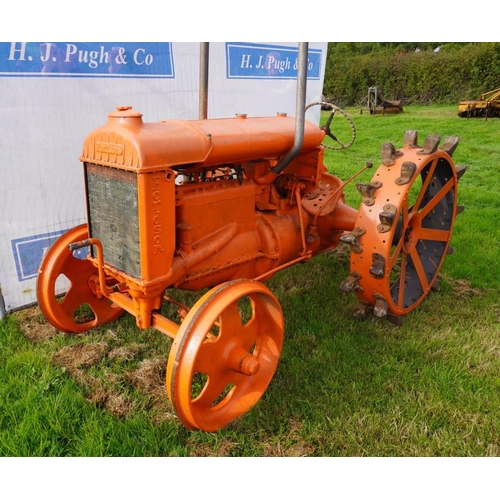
225	354
403	230
79	308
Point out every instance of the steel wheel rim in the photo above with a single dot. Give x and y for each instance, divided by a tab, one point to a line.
60	311
413	250
224	393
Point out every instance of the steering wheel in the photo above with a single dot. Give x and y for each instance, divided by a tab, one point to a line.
327	129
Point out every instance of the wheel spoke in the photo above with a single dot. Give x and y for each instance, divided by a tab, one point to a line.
419	268
426	183
74	269
102	308
210	355
402	278
214	389
251	333
429	234
71	302
230	318
395	254
438	197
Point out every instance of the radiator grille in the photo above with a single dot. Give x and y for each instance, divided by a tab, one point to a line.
113	216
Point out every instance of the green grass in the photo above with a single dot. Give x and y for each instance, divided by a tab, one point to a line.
343	387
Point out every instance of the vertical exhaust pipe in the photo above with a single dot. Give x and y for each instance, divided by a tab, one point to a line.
300	111
203	98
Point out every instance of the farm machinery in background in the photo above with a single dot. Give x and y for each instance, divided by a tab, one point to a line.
376	104
488	105
222	205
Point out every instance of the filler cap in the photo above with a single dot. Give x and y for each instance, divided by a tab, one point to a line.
126	112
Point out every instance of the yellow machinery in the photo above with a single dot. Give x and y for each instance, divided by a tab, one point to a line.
487	105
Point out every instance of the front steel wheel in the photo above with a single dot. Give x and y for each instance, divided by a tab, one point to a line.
225	354
80	307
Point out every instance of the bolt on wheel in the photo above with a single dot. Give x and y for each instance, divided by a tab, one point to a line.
225	354
404	226
79	308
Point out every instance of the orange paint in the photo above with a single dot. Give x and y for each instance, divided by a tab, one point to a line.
196	205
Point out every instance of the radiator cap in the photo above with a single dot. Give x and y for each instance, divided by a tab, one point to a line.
126	112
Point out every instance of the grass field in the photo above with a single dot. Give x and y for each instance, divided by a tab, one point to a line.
343	388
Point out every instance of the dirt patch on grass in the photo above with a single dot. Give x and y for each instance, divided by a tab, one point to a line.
108	389
463	288
149	377
223	448
149	380
77	359
108	399
291	445
74	357
34	326
100	369
125	353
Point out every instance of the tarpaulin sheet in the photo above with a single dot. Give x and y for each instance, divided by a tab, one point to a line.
52	94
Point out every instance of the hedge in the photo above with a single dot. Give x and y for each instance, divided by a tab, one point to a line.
439	73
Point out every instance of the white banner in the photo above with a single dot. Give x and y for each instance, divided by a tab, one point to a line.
52	94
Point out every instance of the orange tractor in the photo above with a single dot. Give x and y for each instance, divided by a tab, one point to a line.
222	205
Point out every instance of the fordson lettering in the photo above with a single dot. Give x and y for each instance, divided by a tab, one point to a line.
108	148
156	199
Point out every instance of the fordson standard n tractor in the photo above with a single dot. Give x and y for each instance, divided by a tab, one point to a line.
222	205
